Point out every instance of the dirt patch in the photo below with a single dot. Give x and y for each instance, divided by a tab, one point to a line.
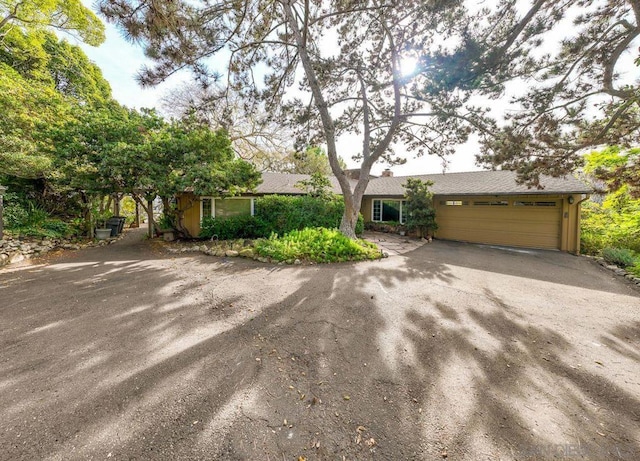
129	352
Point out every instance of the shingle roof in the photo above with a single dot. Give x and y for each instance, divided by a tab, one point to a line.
470	183
478	183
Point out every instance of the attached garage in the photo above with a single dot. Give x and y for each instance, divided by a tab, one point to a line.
528	221
492	207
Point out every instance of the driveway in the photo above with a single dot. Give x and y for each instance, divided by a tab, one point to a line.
450	350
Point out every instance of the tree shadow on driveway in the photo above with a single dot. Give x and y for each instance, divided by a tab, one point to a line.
195	357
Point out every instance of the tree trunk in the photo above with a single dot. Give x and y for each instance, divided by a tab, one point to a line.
137	220
116	204
1	217
350	216
150	215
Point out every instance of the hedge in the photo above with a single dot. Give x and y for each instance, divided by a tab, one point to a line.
279	214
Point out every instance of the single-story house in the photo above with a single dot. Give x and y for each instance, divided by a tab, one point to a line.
487	207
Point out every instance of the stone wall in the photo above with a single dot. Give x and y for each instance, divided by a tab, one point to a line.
13	250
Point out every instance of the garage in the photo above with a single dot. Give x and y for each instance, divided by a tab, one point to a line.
533	221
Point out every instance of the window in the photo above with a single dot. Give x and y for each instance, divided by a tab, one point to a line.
531	203
491	203
389	210
454	202
206	207
233	207
225	207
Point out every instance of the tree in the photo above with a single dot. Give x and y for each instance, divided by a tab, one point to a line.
28	107
318	185
114	150
35	16
354	84
618	168
564	65
421	215
255	136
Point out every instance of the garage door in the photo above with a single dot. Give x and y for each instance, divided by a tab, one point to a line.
524	222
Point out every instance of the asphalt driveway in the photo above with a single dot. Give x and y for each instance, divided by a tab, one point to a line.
450	350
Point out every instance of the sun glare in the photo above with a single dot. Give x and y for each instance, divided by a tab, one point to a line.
408	65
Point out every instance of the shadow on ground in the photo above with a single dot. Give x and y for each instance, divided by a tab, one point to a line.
129	353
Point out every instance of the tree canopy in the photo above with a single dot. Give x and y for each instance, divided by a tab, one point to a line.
350	55
559	63
569	70
31	17
62	131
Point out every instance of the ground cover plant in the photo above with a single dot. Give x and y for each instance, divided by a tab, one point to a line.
316	245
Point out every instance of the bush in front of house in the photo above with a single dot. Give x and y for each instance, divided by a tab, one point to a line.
233	227
279	214
320	245
282	214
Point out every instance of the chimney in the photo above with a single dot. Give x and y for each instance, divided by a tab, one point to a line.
387	173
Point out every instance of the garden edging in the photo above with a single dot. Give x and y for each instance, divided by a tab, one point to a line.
615	269
14	250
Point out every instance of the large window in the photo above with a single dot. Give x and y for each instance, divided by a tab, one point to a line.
389	210
225	207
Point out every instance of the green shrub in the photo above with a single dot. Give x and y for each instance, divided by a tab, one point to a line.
421	215
233	227
316	245
282	214
622	257
635	269
279	214
614	223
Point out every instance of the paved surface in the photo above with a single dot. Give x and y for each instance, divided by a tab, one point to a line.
128	352
394	244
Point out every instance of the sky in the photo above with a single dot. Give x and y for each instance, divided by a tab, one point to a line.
120	61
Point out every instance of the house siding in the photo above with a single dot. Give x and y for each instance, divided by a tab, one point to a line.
531	227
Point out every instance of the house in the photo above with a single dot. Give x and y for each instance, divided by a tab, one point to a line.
487	207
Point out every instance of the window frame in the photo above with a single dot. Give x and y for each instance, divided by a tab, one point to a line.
213	204
401	211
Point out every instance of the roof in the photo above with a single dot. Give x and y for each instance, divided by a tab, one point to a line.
479	183
285	183
469	183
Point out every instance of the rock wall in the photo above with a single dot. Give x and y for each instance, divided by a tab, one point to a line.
14	250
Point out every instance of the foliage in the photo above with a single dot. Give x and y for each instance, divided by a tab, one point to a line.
282	214
622	257
316	245
421	214
617	167
574	97
232	227
312	160
354	86
635	269
29	220
28	107
614	223
255	135
278	214
318	185
128	209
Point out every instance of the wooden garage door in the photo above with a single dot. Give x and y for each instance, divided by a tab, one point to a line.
524	222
